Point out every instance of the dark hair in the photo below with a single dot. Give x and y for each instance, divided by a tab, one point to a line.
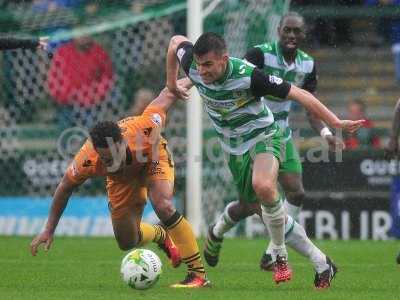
103	130
291	14
207	42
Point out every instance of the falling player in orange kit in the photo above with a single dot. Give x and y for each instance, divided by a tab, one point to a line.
134	158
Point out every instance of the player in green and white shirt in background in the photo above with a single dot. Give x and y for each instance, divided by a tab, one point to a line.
231	89
284	59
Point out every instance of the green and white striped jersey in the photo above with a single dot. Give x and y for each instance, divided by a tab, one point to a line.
233	103
301	73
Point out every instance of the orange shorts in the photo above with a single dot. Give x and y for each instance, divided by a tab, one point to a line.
130	194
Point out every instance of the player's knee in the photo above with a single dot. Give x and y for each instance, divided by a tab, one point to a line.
265	189
164	209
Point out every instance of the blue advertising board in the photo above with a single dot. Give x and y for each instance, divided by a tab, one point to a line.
84	216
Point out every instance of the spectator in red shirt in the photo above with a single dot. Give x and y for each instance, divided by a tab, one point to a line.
364	137
80	76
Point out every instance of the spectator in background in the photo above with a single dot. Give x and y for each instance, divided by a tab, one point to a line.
79	78
392	25
364	137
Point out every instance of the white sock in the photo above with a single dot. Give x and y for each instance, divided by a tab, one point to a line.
224	222
299	241
292	210
288	228
274	219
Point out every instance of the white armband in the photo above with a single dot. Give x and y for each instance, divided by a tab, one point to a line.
325	132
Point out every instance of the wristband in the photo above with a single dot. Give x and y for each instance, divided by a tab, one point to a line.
325	132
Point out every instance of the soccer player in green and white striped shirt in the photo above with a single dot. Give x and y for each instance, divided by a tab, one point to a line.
231	89
284	59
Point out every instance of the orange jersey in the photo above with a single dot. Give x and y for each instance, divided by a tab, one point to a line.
140	133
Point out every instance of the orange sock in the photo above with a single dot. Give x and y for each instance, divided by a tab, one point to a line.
182	234
151	233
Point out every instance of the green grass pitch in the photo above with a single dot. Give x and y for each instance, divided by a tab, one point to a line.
88	268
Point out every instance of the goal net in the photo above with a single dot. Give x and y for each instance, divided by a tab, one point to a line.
243	24
106	59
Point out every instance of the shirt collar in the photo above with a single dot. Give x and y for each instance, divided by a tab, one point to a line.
227	73
281	59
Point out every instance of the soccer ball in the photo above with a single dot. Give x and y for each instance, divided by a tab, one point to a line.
141	269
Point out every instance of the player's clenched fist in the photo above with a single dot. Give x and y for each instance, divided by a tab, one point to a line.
179	92
45	238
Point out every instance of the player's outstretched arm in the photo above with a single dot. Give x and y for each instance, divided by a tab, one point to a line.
154	115
334	143
313	105
173	66
60	200
9	42
166	98
392	147
262	85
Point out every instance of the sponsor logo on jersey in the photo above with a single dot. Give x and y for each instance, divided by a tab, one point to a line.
215	104
156	119
180	53
155	169
275	79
